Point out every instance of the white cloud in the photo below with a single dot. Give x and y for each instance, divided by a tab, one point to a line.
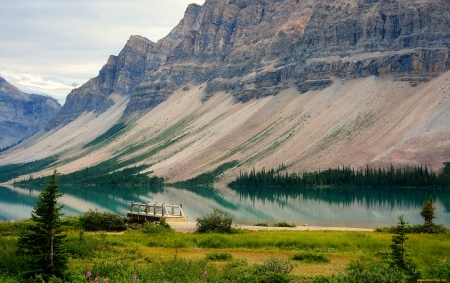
56	87
74	38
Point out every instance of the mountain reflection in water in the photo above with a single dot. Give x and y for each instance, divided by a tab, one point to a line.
346	207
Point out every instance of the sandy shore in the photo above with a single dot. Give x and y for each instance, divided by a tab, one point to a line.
190	227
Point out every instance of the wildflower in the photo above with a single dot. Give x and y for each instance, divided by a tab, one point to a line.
204	274
134	278
106	279
96	279
88	274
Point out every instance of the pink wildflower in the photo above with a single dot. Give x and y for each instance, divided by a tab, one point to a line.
96	279
106	279
88	274
134	278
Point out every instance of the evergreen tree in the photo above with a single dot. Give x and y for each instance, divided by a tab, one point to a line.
398	244
42	241
428	214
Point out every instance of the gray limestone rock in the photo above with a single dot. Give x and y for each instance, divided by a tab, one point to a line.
256	48
22	114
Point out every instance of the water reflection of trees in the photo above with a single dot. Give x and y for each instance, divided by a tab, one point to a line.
369	197
209	193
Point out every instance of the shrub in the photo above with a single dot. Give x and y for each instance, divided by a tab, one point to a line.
262	224
93	220
284	224
276	265
157	227
218	221
219	256
311	257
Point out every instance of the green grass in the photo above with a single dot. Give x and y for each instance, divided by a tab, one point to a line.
160	255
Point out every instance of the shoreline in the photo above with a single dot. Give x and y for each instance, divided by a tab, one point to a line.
190	227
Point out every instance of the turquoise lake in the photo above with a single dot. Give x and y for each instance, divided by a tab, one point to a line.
345	207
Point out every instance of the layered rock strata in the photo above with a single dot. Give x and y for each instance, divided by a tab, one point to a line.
257	48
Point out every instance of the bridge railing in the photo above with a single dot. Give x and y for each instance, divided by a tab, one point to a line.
160	209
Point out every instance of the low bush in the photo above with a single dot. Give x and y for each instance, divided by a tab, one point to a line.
311	257
219	256
416	229
262	224
218	221
93	220
157	227
284	224
276	265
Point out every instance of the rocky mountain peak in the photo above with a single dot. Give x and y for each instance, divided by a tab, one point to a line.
257	48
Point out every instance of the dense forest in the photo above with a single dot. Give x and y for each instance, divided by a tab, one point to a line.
103	174
409	177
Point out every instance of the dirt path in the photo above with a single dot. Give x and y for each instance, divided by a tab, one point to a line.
190	227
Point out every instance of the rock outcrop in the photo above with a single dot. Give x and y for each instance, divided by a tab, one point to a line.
257	48
22	114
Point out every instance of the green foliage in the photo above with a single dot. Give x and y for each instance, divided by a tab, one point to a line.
81	247
218	221
398	244
272	270
439	270
262	224
284	224
276	265
219	256
104	174
114	131
94	220
419	177
157	227
8	172
427	213
207	178
42	241
311	257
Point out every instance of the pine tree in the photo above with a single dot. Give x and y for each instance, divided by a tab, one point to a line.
398	244
42	241
428	214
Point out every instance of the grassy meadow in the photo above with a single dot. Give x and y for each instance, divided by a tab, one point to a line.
157	254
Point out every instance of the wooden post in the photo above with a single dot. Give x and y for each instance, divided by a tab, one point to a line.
181	209
163	207
155	209
139	207
173	209
132	207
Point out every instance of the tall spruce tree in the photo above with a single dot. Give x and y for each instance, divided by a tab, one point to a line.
42	241
427	213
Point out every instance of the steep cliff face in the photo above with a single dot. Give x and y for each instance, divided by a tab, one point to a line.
257	48
22	115
119	76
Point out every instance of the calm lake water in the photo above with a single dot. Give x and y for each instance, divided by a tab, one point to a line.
346	207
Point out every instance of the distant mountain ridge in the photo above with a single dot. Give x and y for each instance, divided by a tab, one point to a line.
22	114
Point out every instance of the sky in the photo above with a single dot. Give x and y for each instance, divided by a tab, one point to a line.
47	46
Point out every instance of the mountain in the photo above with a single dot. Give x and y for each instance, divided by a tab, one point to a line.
22	114
308	84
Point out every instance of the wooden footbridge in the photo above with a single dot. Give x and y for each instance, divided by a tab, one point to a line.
155	211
